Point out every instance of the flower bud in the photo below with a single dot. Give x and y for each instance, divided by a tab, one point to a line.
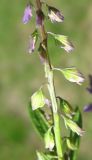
32	41
27	14
39	18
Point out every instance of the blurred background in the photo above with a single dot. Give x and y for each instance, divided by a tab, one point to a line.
22	74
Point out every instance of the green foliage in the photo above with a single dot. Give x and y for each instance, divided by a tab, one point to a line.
51	133
38	120
66	108
72	75
38	99
73	136
49	139
73	126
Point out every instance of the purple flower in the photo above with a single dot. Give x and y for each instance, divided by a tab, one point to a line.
88	108
27	14
31	47
90	87
39	18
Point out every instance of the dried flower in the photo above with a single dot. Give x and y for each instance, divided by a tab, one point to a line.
88	108
27	14
55	15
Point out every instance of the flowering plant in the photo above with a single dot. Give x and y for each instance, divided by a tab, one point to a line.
47	121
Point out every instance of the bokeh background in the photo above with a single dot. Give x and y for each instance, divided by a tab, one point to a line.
22	74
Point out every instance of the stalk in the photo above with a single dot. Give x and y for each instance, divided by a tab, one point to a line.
49	75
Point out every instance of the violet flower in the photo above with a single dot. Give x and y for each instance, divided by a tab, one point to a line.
31	46
88	108
90	87
27	14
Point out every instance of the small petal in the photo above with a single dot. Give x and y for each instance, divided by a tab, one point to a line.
27	14
55	15
88	108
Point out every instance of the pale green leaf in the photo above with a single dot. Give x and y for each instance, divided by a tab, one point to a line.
39	121
49	139
38	99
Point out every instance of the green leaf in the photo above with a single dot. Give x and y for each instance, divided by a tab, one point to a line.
66	108
73	136
39	121
43	156
38	99
70	144
64	42
72	75
49	139
73	126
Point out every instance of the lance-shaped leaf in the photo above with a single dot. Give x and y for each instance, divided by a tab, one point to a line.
66	108
73	126
55	15
70	144
39	121
43	156
32	41
73	136
64	42
49	139
72	75
38	99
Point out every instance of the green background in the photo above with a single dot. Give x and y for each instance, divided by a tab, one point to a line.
22	74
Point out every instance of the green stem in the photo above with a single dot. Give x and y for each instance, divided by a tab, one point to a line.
49	75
